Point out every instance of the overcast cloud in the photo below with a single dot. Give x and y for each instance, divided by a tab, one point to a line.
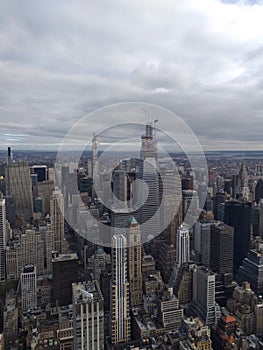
202	59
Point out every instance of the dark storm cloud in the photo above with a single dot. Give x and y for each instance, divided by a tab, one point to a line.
60	60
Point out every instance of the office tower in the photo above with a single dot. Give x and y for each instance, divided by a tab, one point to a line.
242	189
222	249
219	198
135	262
9	156
88	316
2	184
166	260
31	251
252	269
238	215
3	239
65	272
119	296
182	245
44	190
10	209
182	251
94	153
48	247
120	189
261	218
175	223
259	191
148	191
41	171
57	220
190	197
170	188
28	281
19	186
202	232
204	304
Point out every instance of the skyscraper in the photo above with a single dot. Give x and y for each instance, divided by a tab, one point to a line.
148	192
88	316
135	262
57	220
204	304
18	185
252	269
120	189
222	248
29	287
238	215
2	239
119	308
202	233
65	272
182	245
261	218
182	251
31	251
242	189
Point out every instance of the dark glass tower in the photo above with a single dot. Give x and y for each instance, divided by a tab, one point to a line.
238	215
222	249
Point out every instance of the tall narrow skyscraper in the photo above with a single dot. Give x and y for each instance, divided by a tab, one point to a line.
19	186
182	251
182	245
94	152
57	220
135	262
149	186
119	299
2	239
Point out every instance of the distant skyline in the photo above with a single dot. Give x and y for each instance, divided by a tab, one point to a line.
201	59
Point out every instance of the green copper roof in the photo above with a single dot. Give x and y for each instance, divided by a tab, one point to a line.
132	220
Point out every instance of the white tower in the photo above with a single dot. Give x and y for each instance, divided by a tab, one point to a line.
182	245
29	287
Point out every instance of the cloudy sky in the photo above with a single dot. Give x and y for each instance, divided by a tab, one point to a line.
62	59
